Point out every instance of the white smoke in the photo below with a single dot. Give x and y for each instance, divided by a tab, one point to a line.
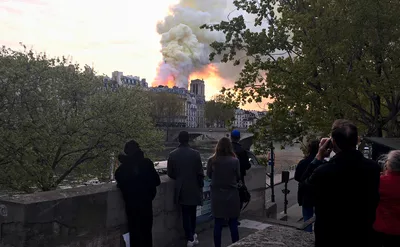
185	47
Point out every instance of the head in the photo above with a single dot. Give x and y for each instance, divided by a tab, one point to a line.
183	137
131	148
224	148
344	136
235	135
312	148
393	161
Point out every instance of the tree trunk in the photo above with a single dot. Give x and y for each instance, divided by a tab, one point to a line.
378	116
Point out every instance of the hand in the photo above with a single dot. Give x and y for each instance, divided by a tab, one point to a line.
325	149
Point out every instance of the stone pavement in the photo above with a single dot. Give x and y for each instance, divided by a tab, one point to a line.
248	226
277	236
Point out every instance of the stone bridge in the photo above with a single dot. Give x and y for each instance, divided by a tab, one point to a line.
209	134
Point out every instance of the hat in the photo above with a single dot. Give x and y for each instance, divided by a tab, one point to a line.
235	134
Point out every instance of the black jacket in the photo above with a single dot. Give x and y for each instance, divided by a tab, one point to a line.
243	158
137	179
303	197
346	193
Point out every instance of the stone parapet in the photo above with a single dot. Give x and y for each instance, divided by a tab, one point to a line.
95	215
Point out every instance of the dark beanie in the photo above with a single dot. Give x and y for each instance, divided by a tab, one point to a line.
183	137
131	147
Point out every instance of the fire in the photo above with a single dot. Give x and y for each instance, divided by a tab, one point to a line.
211	77
209	74
170	81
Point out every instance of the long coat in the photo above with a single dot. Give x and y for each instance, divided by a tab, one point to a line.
185	167
225	174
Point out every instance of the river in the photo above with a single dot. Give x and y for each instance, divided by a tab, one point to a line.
285	159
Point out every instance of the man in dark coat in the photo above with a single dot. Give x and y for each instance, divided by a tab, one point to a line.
304	198
345	189
185	167
241	154
138	180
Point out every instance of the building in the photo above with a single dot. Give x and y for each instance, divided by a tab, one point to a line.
197	88
129	80
193	104
245	119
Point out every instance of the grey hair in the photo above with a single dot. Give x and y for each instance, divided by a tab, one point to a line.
394	160
382	159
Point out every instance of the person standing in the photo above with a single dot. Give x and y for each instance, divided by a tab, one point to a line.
345	190
185	167
224	170
304	198
387	223
241	154
138	180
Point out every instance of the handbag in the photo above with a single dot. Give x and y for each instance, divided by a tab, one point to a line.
244	194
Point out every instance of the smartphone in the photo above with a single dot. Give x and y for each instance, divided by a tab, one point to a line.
329	145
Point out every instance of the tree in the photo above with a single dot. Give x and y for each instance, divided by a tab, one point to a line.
168	109
57	121
218	113
323	60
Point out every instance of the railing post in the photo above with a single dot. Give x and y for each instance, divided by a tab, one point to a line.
272	164
285	191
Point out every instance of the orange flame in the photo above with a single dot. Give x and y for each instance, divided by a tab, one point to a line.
209	74
211	77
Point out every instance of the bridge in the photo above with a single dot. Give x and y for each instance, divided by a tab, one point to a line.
209	134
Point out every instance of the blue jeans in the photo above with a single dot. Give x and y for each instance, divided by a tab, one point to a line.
233	226
189	221
308	213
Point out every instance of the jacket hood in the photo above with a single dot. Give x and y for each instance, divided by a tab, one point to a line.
124	158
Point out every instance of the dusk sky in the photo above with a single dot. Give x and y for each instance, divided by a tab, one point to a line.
108	35
111	35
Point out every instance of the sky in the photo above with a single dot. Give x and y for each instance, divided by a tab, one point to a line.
110	35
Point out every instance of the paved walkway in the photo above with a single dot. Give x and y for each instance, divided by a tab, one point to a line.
248	226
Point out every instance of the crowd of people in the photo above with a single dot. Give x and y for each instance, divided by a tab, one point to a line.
356	202
137	179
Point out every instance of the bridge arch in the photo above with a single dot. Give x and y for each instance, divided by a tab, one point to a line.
213	134
192	136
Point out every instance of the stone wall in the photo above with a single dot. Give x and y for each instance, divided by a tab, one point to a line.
95	216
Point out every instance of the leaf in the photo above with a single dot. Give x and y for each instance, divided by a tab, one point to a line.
316	62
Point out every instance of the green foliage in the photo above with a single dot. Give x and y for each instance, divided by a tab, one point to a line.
167	108
58	121
218	112
317	61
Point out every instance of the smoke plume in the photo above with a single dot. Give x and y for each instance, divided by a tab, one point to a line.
185	47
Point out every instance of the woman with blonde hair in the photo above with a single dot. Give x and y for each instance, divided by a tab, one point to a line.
387	221
224	170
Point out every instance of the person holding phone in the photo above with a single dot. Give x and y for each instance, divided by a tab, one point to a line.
345	190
